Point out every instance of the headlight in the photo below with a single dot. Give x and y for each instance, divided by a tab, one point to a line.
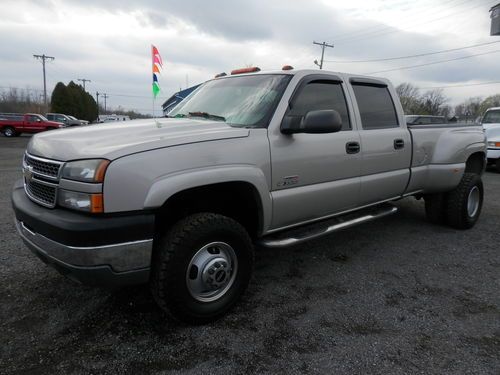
81	201
494	144
92	170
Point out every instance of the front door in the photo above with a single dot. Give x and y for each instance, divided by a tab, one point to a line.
32	123
315	175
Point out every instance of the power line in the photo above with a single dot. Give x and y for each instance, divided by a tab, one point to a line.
43	58
323	46
462	85
411	56
378	28
433	63
391	29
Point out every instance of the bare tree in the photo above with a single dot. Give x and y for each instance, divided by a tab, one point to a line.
432	102
409	96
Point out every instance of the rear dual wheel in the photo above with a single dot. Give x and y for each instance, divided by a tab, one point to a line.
459	208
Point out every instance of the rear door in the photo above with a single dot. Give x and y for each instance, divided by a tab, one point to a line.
385	141
315	175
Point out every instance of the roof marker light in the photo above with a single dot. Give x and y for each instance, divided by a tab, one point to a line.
223	74
245	70
287	67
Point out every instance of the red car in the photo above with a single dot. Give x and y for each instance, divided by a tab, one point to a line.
13	125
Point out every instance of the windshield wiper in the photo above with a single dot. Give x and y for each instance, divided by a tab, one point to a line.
207	116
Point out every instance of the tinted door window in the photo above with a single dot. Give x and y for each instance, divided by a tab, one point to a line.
319	95
375	106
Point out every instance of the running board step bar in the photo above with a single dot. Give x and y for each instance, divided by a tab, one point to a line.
319	229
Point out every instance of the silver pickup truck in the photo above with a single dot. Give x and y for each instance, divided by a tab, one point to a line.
267	158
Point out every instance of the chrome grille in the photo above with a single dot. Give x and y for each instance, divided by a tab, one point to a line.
43	167
41	178
41	192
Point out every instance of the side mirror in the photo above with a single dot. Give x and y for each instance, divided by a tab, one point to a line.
38	120
314	122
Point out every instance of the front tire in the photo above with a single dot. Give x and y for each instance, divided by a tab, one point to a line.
497	165
201	267
465	202
9	131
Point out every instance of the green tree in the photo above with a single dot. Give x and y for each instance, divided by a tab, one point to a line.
490	101
73	100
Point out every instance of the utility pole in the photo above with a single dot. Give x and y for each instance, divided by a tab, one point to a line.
42	58
97	97
83	80
105	96
323	46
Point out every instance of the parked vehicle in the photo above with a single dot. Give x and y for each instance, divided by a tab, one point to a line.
272	158
114	117
82	122
65	119
13	125
491	125
425	120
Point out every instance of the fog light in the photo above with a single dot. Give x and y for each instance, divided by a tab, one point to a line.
81	201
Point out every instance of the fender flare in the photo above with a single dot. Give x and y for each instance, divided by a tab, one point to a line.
168	185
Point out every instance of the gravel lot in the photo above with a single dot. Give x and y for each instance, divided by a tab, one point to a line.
398	295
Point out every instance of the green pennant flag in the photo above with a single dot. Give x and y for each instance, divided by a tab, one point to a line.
156	89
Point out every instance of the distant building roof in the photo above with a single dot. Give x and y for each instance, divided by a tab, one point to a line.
178	97
495	20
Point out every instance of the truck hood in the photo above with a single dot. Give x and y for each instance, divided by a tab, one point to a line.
114	140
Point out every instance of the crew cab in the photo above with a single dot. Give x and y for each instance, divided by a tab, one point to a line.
13	125
491	124
269	158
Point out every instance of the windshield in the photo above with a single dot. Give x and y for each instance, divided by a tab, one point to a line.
244	101
72	117
492	117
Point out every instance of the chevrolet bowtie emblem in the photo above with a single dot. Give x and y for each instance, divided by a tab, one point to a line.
28	173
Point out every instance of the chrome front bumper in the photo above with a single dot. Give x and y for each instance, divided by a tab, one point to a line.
116	264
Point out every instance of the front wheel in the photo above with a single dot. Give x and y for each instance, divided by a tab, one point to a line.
465	202
201	267
497	165
9	132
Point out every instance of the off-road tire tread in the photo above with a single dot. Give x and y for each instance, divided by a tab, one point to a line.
457	202
165	256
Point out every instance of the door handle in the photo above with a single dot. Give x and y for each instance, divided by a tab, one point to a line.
352	147
399	144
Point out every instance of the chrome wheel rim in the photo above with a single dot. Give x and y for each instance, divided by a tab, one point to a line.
9	132
211	272
473	201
